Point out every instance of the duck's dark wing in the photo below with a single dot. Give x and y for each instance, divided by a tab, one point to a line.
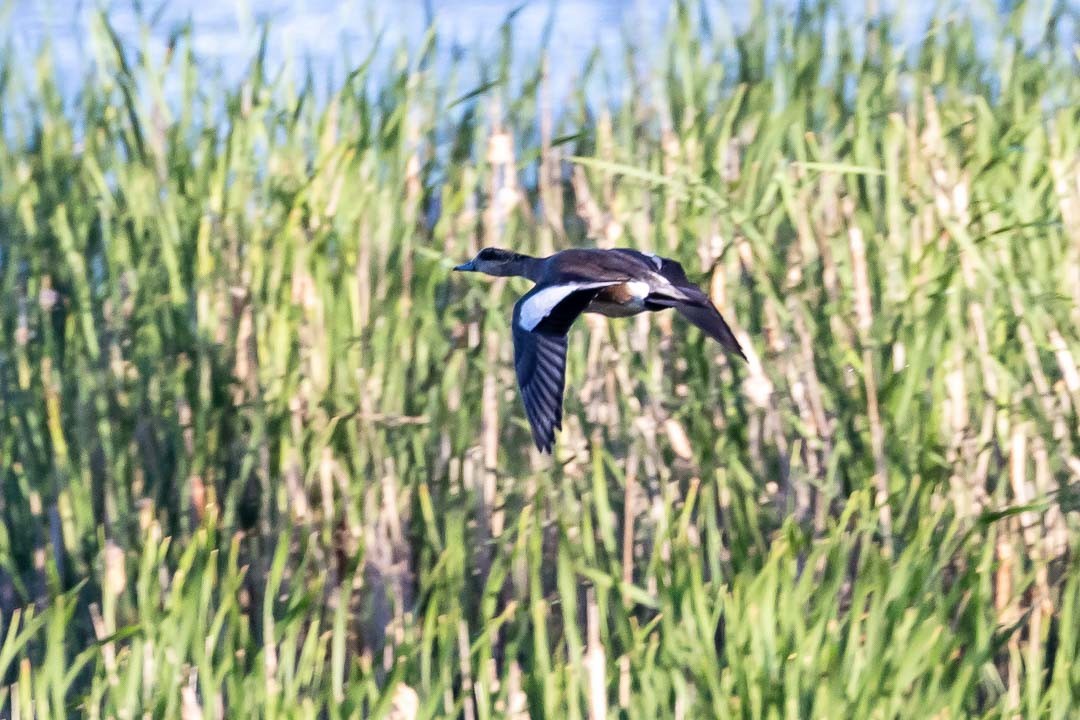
708	318
695	306
668	286
542	317
699	310
540	362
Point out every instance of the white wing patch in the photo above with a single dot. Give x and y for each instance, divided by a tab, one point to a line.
539	305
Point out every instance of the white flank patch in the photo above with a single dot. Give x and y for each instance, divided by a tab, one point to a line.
638	290
664	287
540	305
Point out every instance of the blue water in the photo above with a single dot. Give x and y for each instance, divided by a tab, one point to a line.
328	36
332	36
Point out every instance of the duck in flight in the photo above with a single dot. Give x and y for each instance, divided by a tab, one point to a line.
617	283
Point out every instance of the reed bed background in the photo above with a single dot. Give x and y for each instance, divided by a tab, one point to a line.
262	454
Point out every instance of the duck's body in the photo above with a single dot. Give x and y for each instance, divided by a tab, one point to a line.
617	283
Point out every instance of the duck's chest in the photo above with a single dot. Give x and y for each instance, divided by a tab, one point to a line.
620	300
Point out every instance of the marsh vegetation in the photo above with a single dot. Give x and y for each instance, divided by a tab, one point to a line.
262	454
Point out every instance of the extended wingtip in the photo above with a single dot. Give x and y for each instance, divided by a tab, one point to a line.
544	443
542	415
736	348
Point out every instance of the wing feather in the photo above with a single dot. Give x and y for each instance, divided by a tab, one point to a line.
540	328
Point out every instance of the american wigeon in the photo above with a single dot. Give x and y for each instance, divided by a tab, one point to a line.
617	283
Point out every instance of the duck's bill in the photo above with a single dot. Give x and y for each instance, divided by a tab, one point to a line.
466	267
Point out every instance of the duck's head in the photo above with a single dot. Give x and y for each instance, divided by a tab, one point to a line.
496	261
